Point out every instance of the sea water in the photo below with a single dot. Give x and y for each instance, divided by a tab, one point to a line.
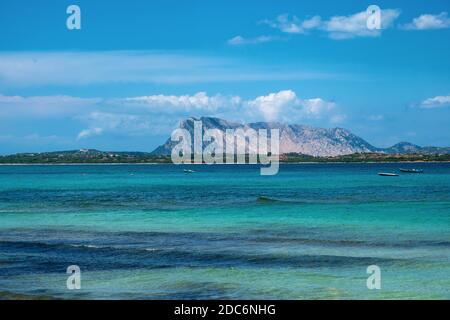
224	231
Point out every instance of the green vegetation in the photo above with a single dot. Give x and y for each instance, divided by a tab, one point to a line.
83	156
95	156
367	157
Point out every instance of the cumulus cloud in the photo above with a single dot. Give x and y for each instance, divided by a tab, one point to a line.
436	102
316	106
429	21
355	25
182	103
271	105
287	24
286	106
153	114
159	114
336	27
311	23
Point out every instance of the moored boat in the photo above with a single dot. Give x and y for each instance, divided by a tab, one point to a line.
387	174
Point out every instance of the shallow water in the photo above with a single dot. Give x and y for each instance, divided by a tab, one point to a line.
155	232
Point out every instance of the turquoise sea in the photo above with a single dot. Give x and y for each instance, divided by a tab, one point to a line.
224	232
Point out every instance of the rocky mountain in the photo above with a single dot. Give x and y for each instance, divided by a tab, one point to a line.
303	139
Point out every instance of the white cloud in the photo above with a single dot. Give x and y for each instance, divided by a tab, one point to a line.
429	21
158	114
286	106
312	23
436	102
287	24
86	133
355	25
317	106
283	105
337	27
271	105
147	114
24	69
239	40
183	103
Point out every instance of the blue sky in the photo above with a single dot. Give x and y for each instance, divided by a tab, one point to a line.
136	68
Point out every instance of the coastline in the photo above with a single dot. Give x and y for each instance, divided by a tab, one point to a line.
215	164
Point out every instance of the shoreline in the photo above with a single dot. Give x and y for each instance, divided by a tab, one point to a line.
216	164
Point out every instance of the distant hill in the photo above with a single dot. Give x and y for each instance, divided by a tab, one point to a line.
306	140
409	148
92	156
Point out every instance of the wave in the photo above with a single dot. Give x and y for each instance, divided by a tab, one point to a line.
264	199
273	200
59	255
87	246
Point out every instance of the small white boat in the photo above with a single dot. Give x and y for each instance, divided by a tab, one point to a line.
387	174
188	170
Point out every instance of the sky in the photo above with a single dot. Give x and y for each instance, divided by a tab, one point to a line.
136	68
